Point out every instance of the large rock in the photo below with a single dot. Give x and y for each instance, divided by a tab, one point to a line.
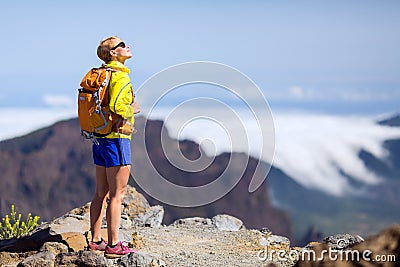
12	259
141	259
342	241
81	258
31	242
151	217
41	259
222	222
77	220
54	247
45	256
134	203
225	222
72	227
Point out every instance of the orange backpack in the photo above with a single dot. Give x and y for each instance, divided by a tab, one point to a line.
95	117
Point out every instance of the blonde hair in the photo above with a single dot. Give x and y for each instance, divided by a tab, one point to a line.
105	46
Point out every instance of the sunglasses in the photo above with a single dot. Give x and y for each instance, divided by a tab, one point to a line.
121	44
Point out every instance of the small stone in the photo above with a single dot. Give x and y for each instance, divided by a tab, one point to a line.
41	259
75	241
10	259
192	221
91	259
139	259
265	231
81	258
54	247
152	217
66	258
225	222
183	253
276	240
137	241
342	241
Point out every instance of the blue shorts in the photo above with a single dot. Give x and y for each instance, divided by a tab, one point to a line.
112	152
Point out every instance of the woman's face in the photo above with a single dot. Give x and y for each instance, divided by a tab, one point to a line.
121	52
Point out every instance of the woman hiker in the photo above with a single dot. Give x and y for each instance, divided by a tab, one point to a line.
112	153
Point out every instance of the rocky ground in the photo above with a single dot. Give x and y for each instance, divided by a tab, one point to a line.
197	242
188	242
219	241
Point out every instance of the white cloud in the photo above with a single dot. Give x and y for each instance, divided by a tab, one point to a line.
369	95
19	121
310	148
58	101
300	93
296	91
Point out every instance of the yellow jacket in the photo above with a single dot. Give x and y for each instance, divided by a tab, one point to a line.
121	96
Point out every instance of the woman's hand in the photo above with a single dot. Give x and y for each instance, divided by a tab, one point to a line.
136	107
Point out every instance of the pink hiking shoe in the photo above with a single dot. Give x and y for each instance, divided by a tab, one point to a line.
118	251
98	247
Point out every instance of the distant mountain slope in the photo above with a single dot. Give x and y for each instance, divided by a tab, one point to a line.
393	121
46	172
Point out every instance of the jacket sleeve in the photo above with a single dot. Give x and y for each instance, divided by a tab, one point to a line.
121	97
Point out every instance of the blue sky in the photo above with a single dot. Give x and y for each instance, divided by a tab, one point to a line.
328	56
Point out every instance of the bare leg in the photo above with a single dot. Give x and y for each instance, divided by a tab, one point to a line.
117	178
98	202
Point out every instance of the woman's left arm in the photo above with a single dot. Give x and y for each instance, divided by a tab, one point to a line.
121	98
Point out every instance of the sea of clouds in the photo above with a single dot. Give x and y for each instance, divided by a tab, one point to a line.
313	149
